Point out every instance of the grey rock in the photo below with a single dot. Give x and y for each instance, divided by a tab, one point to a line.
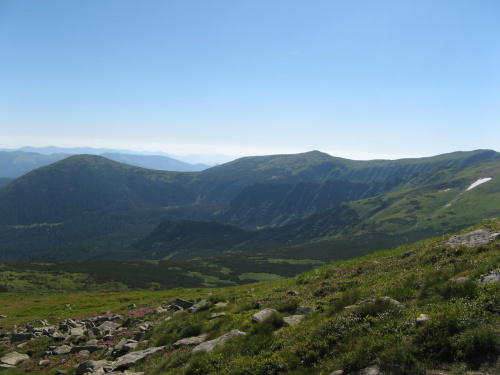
263	314
422	319
92	366
129	359
221	304
304	310
16	337
58	336
199	305
209	346
293	320
14	358
185	304
493	278
216	315
4	366
471	239
62	350
109	326
77	332
190	341
372	370
84	353
338	372
3	316
89	348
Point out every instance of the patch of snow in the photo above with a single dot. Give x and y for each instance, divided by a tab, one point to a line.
442	191
478	182
448	205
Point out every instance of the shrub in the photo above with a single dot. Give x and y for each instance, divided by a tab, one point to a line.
373	309
288	306
477	344
191	330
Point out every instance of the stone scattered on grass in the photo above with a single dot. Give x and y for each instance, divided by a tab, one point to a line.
422	319
190	341
14	358
263	314
293	320
209	346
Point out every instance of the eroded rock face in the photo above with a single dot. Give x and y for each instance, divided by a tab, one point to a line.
209	346
475	238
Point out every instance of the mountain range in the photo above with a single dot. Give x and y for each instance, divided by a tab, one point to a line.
14	164
91	207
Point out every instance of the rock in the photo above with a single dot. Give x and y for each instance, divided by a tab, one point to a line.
460	279
129	359
304	310
198	306
215	316
89	348
209	346
338	372
61	372
293	320
292	293
92	366
16	337
185	304
3	316
422	319
384	298
58	336
84	353
221	304
77	332
4	366
471	239
160	310
14	358
62	350
189	341
109	326
493	278
372	370
263	314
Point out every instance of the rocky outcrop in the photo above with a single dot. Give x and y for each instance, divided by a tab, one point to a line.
471	239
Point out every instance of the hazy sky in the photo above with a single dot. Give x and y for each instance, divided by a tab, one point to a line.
360	79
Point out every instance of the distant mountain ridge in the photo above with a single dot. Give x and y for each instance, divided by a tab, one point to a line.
271	201
14	164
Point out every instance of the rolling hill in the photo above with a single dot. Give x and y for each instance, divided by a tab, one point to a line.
113	210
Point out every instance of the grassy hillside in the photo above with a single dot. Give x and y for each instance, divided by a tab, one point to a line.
350	328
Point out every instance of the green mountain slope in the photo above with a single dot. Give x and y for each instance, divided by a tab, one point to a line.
426	308
92	202
87	183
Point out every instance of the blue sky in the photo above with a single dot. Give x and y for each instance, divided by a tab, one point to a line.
358	79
